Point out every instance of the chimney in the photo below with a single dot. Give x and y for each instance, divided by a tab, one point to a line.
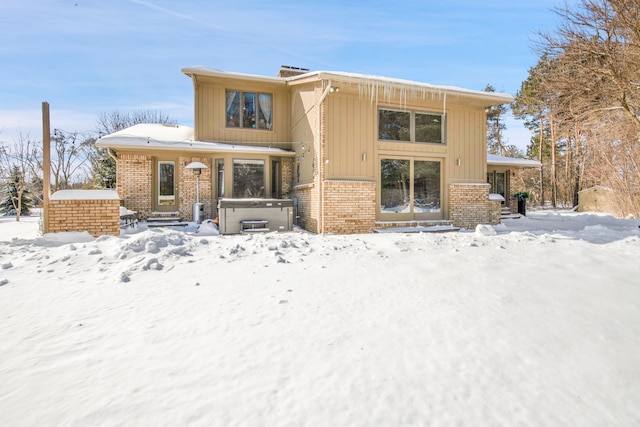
289	71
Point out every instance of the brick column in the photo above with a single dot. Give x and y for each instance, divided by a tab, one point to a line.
469	204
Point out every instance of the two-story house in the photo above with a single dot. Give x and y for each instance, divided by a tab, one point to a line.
357	152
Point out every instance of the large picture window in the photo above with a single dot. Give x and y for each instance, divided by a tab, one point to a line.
249	110
248	178
409	186
410	126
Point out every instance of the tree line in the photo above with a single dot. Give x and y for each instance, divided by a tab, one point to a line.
582	103
75	161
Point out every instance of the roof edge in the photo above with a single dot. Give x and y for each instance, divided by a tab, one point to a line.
353	78
357	78
200	70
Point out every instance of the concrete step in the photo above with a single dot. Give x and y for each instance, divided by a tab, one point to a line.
167	224
510	216
166	219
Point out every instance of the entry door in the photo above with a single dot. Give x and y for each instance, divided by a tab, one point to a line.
499	184
166	188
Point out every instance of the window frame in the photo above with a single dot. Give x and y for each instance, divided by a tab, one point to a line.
241	106
409	212
412	126
166	199
262	162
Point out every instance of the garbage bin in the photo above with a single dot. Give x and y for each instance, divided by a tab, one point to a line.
522	207
198	213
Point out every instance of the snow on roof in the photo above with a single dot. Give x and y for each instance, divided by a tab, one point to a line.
373	80
85	195
370	81
596	187
495	160
174	137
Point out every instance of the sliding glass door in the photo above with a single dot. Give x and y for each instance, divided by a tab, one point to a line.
410	189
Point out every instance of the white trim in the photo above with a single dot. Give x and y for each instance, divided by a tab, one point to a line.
495	160
177	138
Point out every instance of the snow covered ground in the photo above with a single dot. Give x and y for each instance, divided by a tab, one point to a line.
533	322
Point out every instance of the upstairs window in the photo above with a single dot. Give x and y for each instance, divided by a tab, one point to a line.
249	110
410	126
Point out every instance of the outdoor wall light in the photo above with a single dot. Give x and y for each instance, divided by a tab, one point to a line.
458	162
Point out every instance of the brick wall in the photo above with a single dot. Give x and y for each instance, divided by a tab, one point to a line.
98	217
349	206
307	207
469	205
495	211
187	186
134	182
287	177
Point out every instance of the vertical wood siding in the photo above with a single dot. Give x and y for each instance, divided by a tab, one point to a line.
352	129
210	114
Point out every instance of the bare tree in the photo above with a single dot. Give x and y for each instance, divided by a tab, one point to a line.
16	168
69	160
586	95
103	163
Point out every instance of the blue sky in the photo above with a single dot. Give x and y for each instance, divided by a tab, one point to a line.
86	57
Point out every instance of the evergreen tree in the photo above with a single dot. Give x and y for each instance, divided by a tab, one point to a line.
495	127
16	196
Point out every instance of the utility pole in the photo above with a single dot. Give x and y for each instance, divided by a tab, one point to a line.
46	164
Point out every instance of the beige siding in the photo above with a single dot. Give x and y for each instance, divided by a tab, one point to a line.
210	121
304	126
352	130
350	135
466	141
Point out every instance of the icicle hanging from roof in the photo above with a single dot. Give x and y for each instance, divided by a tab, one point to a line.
388	91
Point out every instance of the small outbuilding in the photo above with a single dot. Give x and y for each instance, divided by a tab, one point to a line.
599	199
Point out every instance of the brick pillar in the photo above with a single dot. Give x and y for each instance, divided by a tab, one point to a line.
469	204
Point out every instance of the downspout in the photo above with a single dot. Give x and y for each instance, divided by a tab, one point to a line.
195	106
321	163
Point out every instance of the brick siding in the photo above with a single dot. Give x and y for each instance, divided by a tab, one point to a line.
495	211
98	217
134	182
287	177
307	207
469	205
349	207
187	187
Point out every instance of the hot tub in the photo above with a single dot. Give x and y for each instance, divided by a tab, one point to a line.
254	215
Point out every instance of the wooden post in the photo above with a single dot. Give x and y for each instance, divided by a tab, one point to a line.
46	164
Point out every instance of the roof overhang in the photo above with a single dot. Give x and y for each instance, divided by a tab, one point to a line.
157	137
495	160
387	84
212	72
368	84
